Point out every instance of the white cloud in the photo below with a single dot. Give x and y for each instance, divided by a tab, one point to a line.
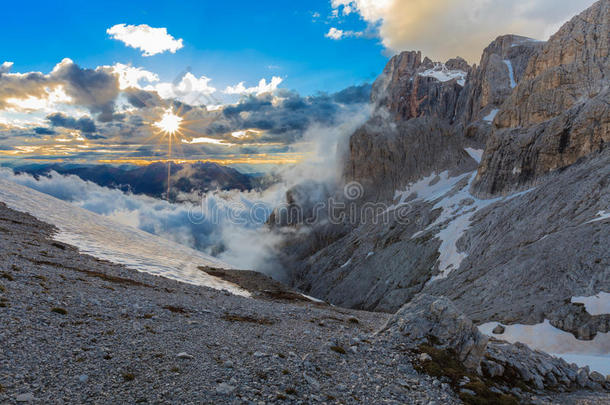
338	34
132	76
443	29
262	88
146	38
6	67
334	33
190	89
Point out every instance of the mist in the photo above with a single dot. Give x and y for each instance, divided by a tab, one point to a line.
229	225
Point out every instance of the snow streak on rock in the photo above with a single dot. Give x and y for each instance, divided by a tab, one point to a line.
441	73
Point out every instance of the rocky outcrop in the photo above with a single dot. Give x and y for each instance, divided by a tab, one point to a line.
537	369
575	319
558	113
436	321
428	317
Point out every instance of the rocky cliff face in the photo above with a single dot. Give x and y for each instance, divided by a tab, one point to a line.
385	155
411	133
410	88
501	68
541	113
426	113
558	113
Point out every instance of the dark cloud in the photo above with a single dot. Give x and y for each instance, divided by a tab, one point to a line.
286	115
44	131
96	89
84	124
142	98
354	94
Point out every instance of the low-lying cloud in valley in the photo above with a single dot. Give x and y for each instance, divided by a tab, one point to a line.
227	224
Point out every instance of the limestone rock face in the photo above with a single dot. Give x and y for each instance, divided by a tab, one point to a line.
558	113
410	134
502	67
428	316
548	244
385	156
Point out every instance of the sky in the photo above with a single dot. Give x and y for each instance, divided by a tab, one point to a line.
86	82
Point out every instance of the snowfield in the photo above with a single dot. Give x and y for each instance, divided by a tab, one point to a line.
106	239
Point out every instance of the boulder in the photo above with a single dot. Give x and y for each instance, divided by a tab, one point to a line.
430	319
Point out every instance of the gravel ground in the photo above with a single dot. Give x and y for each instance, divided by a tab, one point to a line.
79	330
76	329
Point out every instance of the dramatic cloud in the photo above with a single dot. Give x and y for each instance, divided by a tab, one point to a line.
107	114
447	28
94	89
83	124
150	40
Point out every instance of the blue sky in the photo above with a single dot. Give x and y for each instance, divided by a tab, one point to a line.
229	42
253	82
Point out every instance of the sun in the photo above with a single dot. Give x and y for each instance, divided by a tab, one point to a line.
169	123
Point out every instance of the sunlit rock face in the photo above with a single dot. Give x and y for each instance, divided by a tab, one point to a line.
410	88
560	110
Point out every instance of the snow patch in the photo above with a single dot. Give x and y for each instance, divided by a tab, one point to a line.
347	263
429	188
598	304
458	207
476	154
524	41
600	363
511	73
545	337
490	117
106	239
441	73
602	215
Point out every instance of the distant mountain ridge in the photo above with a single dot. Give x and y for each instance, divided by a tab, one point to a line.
151	180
